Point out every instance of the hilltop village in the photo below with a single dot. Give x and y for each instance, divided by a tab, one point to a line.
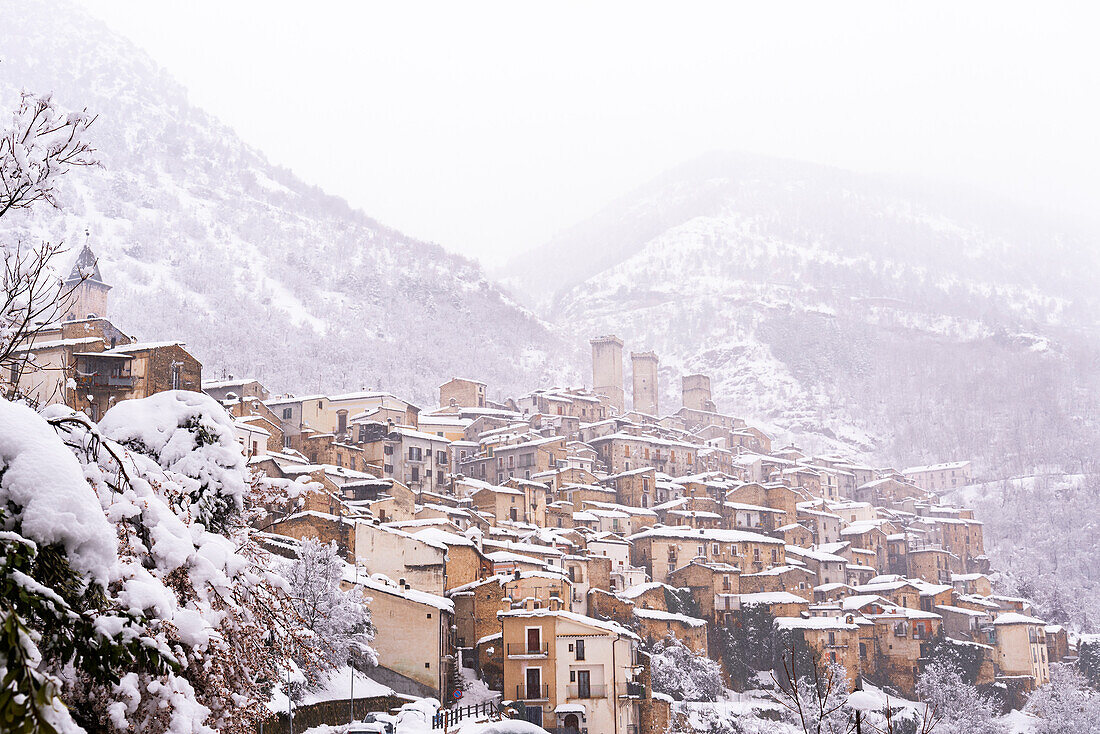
544	544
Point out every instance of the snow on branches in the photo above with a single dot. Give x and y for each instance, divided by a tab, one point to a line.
139	615
686	676
40	144
338	620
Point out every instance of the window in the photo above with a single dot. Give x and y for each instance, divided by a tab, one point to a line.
177	382
580	649
415	474
287	413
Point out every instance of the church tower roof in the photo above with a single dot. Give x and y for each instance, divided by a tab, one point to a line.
86	264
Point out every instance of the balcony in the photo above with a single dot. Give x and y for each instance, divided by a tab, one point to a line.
589	691
533	693
96	380
523	650
635	690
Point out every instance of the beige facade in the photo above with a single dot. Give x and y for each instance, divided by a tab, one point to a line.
400	556
413	636
1021	647
663	550
622	452
566	670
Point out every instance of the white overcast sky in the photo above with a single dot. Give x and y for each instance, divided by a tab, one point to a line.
487	127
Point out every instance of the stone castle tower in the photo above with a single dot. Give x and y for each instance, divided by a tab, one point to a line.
644	368
88	298
607	370
696	392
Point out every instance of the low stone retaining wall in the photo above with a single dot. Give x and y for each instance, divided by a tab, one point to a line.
329	712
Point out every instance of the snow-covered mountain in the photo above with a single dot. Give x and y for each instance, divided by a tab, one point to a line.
912	322
260	274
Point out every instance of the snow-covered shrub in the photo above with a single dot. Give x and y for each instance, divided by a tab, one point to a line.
1067	705
686	676
956	704
189	434
57	555
118	599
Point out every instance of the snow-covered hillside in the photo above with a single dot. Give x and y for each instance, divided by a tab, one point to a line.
912	324
206	241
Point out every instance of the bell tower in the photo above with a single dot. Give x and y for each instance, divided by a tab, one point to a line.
88	292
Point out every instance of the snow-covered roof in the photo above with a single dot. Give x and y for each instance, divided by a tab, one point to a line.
382	584
709	534
638	589
1017	618
659	616
815	623
770	597
936	467
600	624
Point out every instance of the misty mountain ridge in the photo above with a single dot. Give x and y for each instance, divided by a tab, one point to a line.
905	322
259	273
912	324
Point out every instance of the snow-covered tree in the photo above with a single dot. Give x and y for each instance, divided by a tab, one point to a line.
40	144
1088	659
1067	705
814	693
686	676
957	706
338	620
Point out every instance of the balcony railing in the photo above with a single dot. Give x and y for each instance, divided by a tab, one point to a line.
126	381
533	693
521	649
635	689
589	691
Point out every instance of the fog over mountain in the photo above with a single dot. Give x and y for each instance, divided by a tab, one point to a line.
905	321
911	321
206	241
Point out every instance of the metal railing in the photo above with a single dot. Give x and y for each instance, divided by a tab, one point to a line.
105	380
446	718
522	648
533	693
589	691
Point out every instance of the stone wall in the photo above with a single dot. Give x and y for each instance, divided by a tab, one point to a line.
329	712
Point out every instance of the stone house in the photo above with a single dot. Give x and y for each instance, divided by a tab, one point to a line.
706	581
655	624
662	550
1020	646
414	636
797	580
459	392
567	671
832	639
420	562
621	452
